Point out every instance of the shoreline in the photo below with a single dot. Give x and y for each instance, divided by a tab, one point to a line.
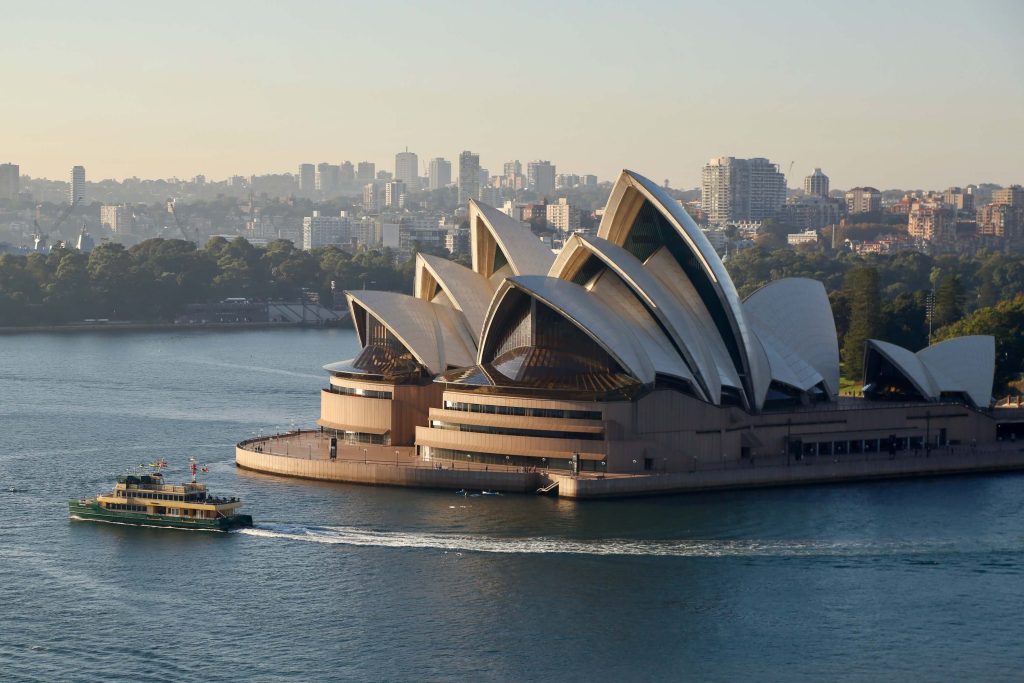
67	328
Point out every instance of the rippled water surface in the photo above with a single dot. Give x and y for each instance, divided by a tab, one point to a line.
917	580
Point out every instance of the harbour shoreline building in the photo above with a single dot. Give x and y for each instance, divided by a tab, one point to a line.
626	364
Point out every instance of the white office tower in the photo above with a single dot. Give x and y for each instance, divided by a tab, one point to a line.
76	190
440	173
407	168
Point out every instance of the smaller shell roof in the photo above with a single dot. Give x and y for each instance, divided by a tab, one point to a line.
796	312
963	364
585	311
469	291
526	254
426	329
909	364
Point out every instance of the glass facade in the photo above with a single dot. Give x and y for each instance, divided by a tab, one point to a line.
521	461
365	393
526	412
516	431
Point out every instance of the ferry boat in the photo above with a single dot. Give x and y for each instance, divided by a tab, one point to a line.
145	500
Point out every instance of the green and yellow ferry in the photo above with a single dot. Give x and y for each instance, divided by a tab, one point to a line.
145	500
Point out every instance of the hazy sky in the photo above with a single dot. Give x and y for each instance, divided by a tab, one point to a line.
892	94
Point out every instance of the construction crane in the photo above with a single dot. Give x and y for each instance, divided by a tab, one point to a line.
39	237
171	209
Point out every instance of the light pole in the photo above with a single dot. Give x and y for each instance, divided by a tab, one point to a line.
789	437
927	432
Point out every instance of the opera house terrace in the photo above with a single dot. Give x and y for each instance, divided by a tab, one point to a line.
628	364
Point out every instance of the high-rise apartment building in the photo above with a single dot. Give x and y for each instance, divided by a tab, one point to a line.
959	198
1011	196
540	177
394	194
863	200
1000	220
116	218
76	188
512	176
321	231
469	176
328	179
932	221
10	181
373	198
366	171
346	174
816	184
407	168
735	190
562	216
439	173
307	179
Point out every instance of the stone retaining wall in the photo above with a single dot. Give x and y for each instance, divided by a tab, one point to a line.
802	473
386	474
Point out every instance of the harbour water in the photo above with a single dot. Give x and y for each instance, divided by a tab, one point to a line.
919	580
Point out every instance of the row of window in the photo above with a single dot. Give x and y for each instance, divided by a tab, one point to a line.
123	506
516	461
516	431
856	446
365	393
148	494
359	437
523	412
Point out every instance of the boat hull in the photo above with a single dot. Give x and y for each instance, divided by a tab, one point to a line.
93	512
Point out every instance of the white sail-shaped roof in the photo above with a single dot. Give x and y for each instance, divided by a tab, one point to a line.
586	312
631	192
908	363
617	297
664	268
523	251
428	330
672	315
469	292
963	364
797	314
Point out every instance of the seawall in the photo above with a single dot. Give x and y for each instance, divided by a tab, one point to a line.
386	474
795	474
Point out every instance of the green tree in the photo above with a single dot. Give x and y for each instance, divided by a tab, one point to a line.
949	301
865	318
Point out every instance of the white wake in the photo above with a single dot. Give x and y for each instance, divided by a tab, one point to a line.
354	536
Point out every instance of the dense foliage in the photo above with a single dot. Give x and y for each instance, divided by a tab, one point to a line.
872	296
155	279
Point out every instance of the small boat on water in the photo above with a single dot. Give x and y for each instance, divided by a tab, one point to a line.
145	500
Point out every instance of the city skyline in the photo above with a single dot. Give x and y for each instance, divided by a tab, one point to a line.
249	88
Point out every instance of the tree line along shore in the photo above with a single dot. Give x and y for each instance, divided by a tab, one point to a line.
873	296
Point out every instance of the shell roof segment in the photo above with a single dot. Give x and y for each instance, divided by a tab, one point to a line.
583	310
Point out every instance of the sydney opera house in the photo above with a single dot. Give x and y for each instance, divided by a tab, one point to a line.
631	352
